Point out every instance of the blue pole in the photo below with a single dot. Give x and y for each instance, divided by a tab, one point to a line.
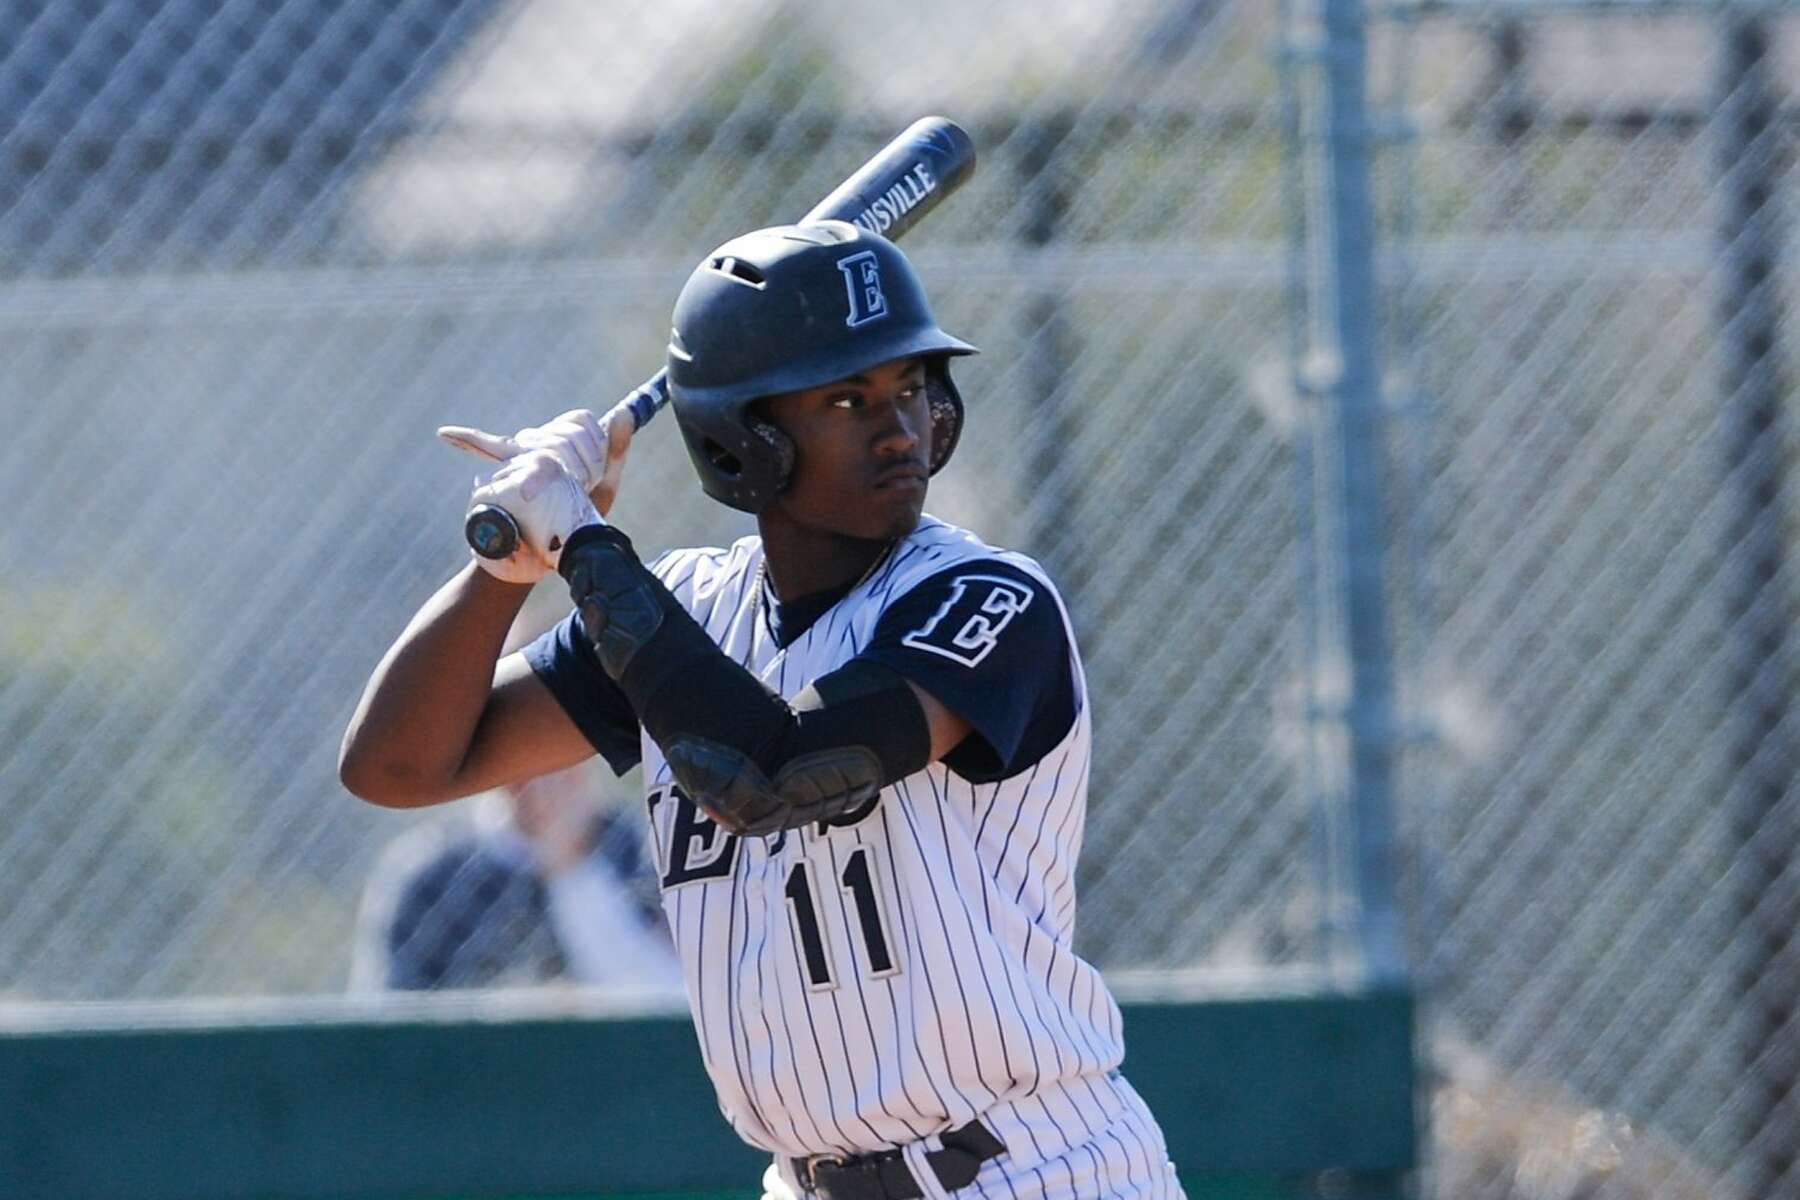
1353	322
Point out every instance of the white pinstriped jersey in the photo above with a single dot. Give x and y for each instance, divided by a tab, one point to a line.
907	967
900	972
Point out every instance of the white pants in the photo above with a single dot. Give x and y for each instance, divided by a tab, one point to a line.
1124	1160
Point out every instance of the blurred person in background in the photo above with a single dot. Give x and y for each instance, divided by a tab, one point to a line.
534	884
543	882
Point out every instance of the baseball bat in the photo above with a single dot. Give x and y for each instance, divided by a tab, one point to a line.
889	194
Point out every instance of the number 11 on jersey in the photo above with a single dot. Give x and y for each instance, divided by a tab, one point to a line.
858	883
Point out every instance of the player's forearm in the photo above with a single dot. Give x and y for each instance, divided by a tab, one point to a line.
409	741
752	760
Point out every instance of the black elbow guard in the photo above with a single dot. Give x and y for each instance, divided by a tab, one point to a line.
618	599
732	787
740	751
848	735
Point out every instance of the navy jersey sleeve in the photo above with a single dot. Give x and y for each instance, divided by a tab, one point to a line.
565	660
986	639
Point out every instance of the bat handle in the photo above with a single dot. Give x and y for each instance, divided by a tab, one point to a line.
648	399
491	531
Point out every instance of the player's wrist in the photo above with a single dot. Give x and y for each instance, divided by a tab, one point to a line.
481	573
520	570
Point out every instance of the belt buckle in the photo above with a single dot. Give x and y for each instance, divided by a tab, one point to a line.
813	1162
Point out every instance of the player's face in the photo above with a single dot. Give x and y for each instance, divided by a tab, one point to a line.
862	448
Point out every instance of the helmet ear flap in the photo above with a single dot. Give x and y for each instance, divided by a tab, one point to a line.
779	442
946	412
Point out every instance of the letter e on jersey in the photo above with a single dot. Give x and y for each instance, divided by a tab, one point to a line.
967	627
696	848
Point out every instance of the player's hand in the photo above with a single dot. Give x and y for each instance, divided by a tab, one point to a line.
591	449
548	505
577	438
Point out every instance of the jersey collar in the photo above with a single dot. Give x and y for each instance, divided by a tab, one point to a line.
788	620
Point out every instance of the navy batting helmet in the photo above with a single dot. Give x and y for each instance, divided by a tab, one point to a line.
782	310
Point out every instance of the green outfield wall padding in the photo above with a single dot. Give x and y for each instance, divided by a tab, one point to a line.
1198	1186
481	1109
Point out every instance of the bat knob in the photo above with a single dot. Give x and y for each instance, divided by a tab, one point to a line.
491	531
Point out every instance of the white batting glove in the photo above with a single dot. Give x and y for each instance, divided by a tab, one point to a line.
547	504
576	438
591	448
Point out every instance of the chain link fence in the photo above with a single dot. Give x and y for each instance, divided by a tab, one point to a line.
254	253
1591	353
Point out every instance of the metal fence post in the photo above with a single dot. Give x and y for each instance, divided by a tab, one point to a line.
1763	750
1348	246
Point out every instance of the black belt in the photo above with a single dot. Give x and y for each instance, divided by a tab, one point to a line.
884	1174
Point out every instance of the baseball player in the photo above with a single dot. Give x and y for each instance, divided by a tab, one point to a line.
864	735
